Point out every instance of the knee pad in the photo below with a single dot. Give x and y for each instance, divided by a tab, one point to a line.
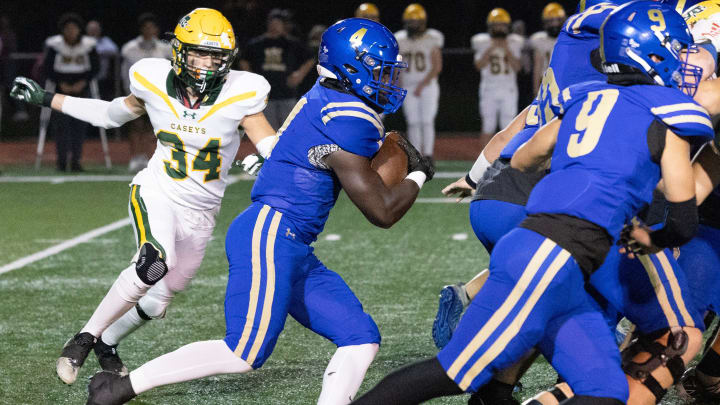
150	265
154	304
660	356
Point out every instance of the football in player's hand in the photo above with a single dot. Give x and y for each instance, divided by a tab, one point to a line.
391	162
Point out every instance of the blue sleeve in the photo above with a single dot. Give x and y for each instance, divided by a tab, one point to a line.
684	117
354	130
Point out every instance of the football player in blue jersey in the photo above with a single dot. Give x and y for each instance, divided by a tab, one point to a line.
575	215
325	145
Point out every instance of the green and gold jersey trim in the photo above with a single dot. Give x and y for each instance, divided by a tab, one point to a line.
140	220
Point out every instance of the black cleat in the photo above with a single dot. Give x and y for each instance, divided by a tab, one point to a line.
493	393
109	389
109	359
695	387
73	356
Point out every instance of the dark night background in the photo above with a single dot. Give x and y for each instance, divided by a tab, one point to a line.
35	20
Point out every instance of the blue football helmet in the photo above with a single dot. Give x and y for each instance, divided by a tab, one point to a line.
364	56
586	4
652	38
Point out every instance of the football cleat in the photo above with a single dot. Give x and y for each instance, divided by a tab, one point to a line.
486	396
73	356
108	358
695	386
453	300
108	388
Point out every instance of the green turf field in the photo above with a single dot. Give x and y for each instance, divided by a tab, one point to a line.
396	273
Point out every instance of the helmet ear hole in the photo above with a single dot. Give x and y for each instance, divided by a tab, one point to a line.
350	69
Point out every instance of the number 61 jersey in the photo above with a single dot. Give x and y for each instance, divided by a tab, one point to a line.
195	147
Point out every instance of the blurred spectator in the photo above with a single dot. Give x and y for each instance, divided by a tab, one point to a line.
239	12
497	58
524	75
543	42
313	44
107	52
421	49
141	138
369	11
283	60
8	67
71	62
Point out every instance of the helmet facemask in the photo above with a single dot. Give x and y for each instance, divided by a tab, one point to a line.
201	79
382	88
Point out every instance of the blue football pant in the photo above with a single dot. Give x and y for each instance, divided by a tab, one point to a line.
535	296
271	276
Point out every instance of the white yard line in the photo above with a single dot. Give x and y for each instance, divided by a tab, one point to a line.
64	179
53	250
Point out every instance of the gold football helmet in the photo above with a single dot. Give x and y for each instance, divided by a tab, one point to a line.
498	16
553	10
414	12
369	11
205	31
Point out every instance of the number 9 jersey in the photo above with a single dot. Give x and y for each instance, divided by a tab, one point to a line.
196	146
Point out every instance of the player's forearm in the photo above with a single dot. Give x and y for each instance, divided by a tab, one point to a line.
388	206
515	63
484	60
100	113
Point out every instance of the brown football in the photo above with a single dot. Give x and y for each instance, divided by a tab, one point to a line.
390	162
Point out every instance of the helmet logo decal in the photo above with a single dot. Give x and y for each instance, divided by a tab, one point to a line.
657	16
225	39
184	21
356	38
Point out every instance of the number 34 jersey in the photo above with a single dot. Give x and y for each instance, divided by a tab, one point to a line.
195	147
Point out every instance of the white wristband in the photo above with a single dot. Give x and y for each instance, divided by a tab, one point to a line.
266	145
479	168
418	177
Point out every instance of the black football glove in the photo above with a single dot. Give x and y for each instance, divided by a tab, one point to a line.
416	161
629	243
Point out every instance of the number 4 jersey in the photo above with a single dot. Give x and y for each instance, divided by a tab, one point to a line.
195	147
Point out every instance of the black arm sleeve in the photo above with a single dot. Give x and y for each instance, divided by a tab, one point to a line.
681	224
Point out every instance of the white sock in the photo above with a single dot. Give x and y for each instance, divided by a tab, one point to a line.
190	362
415	136
153	304
124	293
124	326
428	133
345	373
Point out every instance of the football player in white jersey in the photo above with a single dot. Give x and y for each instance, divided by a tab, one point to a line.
421	50
497	58
543	42
196	104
